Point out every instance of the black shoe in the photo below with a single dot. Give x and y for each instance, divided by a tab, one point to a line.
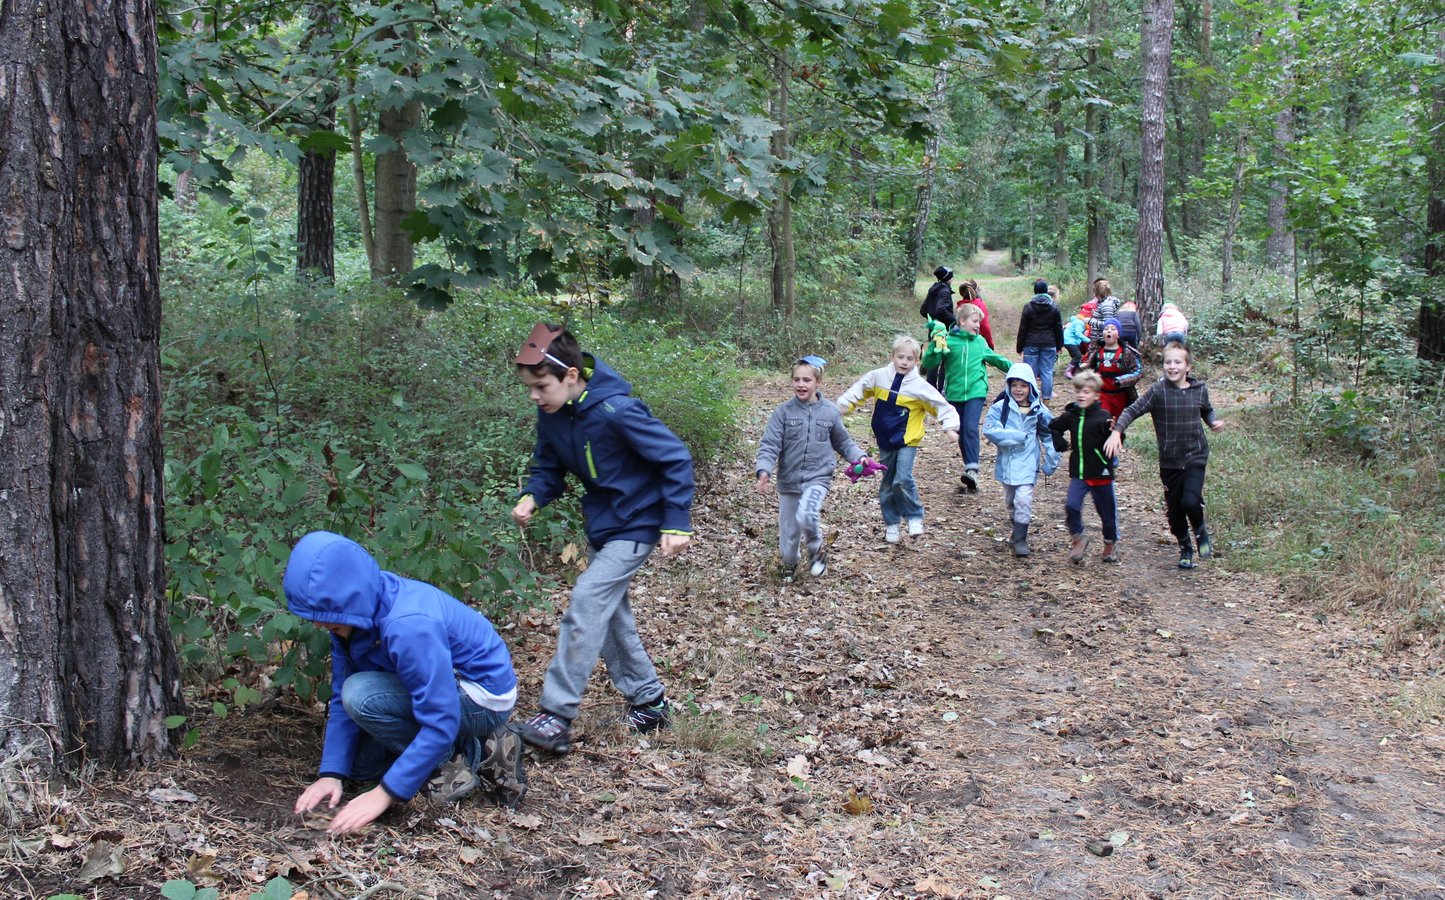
502	767
649	717
547	732
969	480
1206	546
787	573
1186	557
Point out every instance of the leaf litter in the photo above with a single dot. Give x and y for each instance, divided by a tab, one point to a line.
925	720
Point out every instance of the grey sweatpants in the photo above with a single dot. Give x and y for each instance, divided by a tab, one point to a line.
1018	499
800	518
599	622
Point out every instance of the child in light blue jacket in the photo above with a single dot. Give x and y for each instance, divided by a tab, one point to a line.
1018	424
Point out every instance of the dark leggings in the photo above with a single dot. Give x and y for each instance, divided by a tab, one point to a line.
1184	501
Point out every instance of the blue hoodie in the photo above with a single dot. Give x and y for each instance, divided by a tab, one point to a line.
427	638
1021	433
636	475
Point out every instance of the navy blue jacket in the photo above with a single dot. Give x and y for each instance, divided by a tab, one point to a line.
426	637
636	475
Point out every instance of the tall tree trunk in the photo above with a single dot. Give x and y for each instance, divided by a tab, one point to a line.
780	217
87	667
1279	245
358	181
316	205
1155	36
1061	188
918	234
1231	224
1430	342
1093	218
395	193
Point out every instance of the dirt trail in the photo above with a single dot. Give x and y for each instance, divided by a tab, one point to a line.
930	719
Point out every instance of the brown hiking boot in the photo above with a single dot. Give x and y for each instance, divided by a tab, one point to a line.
1110	556
1078	546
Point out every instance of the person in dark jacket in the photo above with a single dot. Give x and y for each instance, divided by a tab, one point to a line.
1083	428
1041	337
417	678
637	493
938	307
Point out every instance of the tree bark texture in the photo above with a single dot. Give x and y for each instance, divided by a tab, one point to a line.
918	234
1430	342
1061	188
87	667
358	182
395	194
1231	224
1279	244
316	215
1094	247
1155	37
780	217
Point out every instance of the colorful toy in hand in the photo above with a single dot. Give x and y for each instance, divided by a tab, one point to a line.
864	467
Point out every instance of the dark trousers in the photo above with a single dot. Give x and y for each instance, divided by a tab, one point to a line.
1184	501
1103	495
935	377
969	412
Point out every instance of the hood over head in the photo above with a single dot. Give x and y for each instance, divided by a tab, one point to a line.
1021	371
332	579
602	383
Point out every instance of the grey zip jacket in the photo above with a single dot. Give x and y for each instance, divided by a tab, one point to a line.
803	442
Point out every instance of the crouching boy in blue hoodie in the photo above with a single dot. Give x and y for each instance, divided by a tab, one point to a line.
637	493
421	686
1018	424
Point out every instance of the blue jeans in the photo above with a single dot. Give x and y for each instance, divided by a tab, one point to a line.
381	706
1173	337
969	412
1041	360
1103	495
897	491
599	623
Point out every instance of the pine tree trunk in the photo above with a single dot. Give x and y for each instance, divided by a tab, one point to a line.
1279	245
780	217
1155	37
315	213
1430	342
1092	217
1231	224
395	194
87	668
1061	188
918	234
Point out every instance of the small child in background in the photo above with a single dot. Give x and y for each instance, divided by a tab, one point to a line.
1076	335
803	439
902	398
1130	327
968	292
1173	328
1018	425
965	385
1180	405
1082	429
1106	306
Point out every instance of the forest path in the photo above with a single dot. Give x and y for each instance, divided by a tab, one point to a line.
929	719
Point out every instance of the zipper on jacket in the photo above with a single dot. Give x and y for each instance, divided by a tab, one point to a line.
591	466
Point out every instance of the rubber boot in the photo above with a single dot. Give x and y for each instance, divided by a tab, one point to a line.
1020	539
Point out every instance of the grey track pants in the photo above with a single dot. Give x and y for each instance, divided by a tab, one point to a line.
800	518
599	623
1018	500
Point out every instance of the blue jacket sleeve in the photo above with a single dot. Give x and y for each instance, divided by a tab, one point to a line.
338	749
995	432
418	647
657	445
548	476
1051	456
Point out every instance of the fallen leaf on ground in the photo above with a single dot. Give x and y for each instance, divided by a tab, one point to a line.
529	822
857	804
102	860
171	795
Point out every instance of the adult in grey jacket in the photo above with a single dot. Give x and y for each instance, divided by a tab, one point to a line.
802	442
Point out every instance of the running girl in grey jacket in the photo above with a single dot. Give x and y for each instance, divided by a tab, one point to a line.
802	441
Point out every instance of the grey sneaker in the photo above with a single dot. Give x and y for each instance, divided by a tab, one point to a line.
547	732
453	782
1204	543
502	766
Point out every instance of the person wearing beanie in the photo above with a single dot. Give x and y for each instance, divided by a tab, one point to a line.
938	307
1041	337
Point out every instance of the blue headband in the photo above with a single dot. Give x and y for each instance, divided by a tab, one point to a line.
816	362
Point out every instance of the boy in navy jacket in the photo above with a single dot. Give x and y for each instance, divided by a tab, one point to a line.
1082	428
417	678
637	493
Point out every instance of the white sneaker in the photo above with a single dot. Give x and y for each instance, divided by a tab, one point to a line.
820	565
890	534
915	527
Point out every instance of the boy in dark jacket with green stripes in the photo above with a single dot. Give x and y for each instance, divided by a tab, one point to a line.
1082	428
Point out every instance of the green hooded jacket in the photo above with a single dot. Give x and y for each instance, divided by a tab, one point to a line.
963	364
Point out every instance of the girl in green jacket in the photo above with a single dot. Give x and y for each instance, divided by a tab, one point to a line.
963	355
